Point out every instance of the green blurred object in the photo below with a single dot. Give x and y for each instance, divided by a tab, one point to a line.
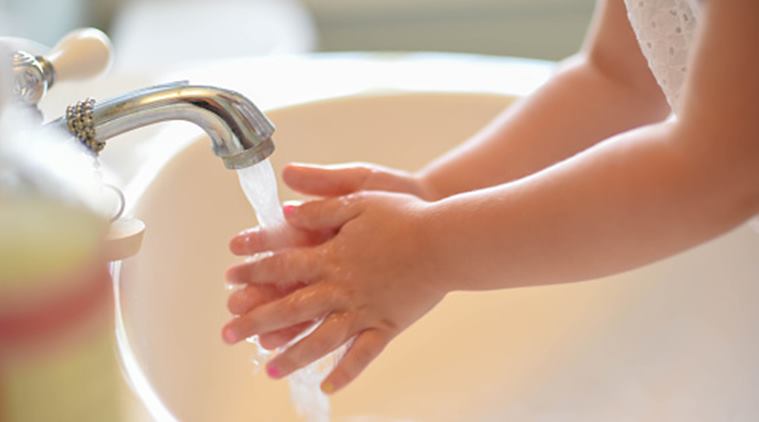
58	359
42	238
48	214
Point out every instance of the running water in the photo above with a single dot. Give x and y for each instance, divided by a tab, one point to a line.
259	183
260	186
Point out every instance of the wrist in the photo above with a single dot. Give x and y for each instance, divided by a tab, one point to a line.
426	188
464	241
437	232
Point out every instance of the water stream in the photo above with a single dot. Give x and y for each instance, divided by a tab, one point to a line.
259	182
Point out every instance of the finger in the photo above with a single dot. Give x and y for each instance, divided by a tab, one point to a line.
365	348
335	180
256	240
244	300
279	338
306	304
326	214
333	332
284	267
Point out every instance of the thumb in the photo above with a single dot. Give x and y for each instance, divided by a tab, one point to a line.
324	214
332	180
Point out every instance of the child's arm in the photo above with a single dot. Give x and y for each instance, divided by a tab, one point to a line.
605	89
637	197
633	199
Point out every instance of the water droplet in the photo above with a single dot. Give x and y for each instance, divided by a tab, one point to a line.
256	365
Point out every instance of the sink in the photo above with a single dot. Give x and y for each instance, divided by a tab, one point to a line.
672	341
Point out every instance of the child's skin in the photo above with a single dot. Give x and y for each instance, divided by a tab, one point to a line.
581	180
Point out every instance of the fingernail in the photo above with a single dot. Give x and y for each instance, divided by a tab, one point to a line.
273	371
289	210
328	388
229	335
231	276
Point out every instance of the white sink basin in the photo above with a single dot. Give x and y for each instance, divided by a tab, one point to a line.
673	341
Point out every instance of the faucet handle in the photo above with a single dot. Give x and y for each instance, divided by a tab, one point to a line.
81	54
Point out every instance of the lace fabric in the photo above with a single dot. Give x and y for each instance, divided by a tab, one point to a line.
666	30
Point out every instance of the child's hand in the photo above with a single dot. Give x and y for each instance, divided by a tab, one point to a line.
333	180
369	282
242	301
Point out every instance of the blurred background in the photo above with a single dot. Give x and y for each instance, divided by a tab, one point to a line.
157	31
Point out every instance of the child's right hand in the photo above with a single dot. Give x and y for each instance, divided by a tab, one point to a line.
324	181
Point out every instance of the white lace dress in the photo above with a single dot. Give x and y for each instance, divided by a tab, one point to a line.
666	30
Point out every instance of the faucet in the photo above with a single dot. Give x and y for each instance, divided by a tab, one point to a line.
240	133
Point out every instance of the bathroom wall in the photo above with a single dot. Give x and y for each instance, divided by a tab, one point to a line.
549	29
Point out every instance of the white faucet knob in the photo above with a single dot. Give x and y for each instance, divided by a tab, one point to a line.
81	54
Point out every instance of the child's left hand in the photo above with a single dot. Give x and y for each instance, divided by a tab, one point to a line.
369	282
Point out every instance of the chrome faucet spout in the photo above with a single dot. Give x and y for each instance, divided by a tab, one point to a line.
240	133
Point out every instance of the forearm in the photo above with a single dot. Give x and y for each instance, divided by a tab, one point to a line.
629	201
577	108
